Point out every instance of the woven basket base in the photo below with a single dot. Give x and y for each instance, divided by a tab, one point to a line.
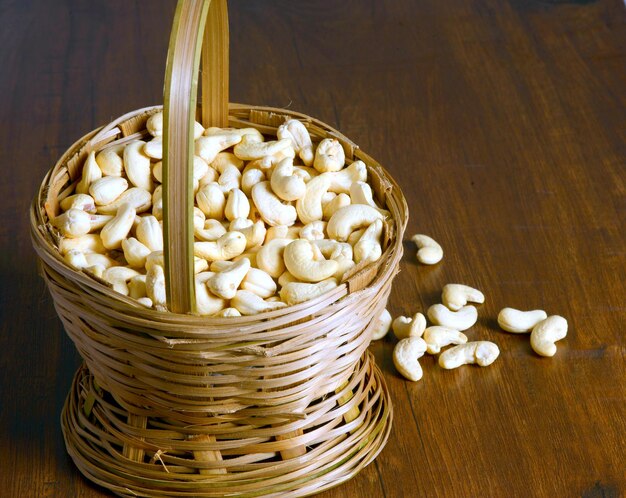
98	433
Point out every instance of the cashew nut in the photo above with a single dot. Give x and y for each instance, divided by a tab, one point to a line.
430	252
517	321
83	202
229	179
350	218
250	178
250	133
299	292
155	287
138	198
248	303
73	223
406	355
154	124
158	258
455	296
237	205
309	206
227	312
154	148
224	159
118	276
270	257
108	188
282	232
206	230
206	303
250	149
225	283
342	180
300	139
341	252
339	201
382	324
228	246
270	207
90	243
329	156
361	193
404	327
368	247
313	231
135	252
110	160
91	173
546	333
254	233
285	184
481	353
259	282
137	287
208	147
299	259
439	337
211	201
137	165
117	228
462	319
150	233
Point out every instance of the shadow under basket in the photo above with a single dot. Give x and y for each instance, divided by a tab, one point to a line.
284	403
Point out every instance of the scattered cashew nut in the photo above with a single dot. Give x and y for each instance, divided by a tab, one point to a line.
482	353
546	333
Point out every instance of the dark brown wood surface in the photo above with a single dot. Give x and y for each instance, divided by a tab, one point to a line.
504	122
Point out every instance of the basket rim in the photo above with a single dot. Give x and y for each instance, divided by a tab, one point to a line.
101	136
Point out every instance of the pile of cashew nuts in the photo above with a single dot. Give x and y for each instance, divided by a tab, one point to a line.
276	223
451	318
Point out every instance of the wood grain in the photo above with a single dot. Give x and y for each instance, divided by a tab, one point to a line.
504	121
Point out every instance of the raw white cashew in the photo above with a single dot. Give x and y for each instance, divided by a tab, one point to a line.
76	259
146	302
94	258
259	282
462	319
157	258
117	228
248	303
228	246
517	321
404	327
368	247
73	223
481	353
382	324
237	224
270	257
206	230
250	178
341	252
91	173
329	156
350	218
282	232
406	355
342	180
135	252
224	159
250	133
299	292
355	236
285	184
250	149
83	202
201	172
96	271
154	148
339	201
299	259
137	165
250	254
455	296
270	207
157	203
430	252
155	287
438	337
309	206
155	124
137	287
546	333
229	179
85	244
227	312
225	283
110	160
206	303
108	188
313	231
209	147
150	233
300	139
118	276
285	278
138	198
211	201
211	176
254	233
305	172
361	193
237	205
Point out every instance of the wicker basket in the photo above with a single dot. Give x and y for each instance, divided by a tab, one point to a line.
285	403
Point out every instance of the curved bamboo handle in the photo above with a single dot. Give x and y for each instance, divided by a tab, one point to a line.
179	113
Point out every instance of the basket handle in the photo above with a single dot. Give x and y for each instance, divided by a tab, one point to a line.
191	20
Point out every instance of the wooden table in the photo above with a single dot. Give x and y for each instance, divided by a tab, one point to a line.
504	123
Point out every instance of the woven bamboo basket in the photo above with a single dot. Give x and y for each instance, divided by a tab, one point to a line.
284	403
